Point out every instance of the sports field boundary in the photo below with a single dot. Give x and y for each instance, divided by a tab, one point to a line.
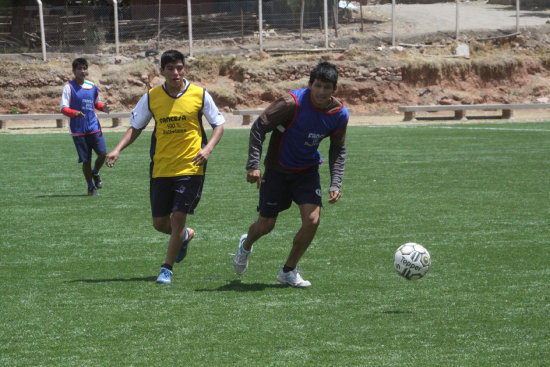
235	122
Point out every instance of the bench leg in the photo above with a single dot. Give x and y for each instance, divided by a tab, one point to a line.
507	114
247	119
116	122
460	115
3	125
410	116
60	123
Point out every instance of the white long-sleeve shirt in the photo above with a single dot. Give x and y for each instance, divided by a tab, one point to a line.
141	115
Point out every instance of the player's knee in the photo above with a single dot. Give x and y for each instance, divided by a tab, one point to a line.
266	225
161	225
312	221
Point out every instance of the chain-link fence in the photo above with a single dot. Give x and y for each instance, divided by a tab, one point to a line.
79	28
68	28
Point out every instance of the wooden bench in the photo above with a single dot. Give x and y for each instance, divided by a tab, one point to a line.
247	114
60	119
460	110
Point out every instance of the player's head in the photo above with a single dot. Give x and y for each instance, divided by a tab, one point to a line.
171	56
80	62
325	72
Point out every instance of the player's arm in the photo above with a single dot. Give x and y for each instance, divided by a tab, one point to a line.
203	155
69	112
258	131
102	107
337	162
139	119
216	120
65	104
129	137
276	116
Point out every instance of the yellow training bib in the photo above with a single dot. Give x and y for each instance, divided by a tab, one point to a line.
179	134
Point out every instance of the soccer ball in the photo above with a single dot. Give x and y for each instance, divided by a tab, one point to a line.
411	261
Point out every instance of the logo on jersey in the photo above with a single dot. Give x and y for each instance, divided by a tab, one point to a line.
168	119
313	139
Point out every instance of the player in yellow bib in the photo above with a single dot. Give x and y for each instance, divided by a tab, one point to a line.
179	152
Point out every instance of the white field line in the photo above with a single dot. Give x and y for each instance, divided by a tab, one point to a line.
464	128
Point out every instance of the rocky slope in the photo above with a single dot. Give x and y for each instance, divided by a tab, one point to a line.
373	79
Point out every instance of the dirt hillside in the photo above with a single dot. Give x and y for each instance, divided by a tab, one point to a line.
374	78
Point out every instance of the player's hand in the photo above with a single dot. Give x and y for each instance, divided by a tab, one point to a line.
254	176
106	108
334	196
111	158
201	157
79	114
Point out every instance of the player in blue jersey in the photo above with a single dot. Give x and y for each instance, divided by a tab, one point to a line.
79	100
297	122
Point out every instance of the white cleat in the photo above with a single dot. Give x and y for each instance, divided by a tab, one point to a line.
292	278
240	260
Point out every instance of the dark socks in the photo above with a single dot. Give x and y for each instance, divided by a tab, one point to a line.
166	266
287	268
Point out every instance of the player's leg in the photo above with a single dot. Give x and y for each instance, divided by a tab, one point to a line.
310	215
310	222
259	228
87	171
274	197
161	198
306	191
177	235
84	151
163	224
180	196
97	141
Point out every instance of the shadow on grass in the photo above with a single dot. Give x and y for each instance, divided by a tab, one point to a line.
238	286
395	312
144	279
61	196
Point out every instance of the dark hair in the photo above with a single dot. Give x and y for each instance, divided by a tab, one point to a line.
80	61
326	72
171	56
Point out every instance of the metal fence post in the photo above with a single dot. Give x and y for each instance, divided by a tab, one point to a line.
158	27
457	19
261	28
517	16
393	23
190	27
325	14
302	19
115	7
42	33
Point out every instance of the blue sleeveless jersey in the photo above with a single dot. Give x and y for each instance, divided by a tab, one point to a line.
301	139
83	98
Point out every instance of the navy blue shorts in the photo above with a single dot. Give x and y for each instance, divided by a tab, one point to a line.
86	143
278	190
170	194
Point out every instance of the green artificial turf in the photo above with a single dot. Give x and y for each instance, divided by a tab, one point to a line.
77	273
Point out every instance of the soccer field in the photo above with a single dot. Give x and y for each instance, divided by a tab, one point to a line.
77	273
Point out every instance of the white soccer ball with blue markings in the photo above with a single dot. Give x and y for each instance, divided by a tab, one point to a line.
412	261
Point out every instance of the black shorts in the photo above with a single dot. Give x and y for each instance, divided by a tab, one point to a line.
170	194
85	143
278	190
